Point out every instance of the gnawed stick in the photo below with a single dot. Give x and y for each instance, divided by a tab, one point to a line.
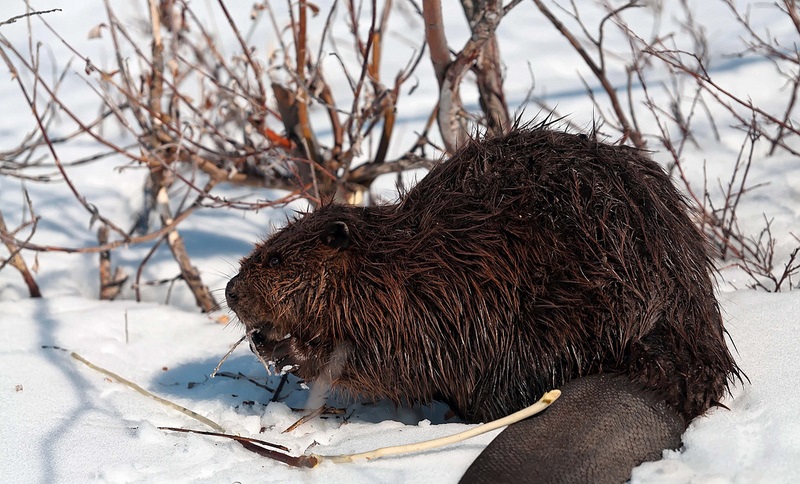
230	351
544	402
316	413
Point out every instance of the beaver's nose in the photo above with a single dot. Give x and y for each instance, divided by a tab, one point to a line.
232	292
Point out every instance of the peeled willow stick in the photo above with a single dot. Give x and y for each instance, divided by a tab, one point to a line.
515	417
313	460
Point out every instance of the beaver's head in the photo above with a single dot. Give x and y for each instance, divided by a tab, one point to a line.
284	289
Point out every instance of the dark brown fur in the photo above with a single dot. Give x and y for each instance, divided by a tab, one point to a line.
522	262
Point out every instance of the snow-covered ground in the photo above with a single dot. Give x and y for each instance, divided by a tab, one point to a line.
64	422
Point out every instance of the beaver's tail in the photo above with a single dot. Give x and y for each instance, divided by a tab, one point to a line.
598	431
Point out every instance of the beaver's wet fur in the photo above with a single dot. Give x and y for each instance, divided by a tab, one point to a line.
522	262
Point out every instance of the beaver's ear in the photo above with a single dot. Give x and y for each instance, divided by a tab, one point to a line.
336	235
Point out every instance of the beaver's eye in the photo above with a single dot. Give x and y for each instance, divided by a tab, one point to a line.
270	261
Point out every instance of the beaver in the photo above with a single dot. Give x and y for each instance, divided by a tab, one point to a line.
523	262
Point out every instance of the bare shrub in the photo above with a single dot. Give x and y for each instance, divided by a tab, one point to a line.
316	116
663	66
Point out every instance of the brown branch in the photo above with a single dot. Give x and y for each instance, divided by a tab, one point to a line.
388	114
17	262
436	38
110	281
189	273
8	238
326	96
256	446
29	14
488	66
450	119
367	173
488	71
157	73
388	127
302	128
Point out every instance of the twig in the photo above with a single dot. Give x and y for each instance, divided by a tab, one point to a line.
237	438
241	376
8	238
235	345
189	272
110	281
142	391
246	51
17	262
29	14
311	415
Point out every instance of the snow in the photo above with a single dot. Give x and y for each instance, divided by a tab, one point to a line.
758	440
75	425
64	422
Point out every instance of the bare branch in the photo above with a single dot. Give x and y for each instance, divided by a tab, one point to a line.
29	14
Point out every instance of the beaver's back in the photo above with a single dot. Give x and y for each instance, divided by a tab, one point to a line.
592	250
